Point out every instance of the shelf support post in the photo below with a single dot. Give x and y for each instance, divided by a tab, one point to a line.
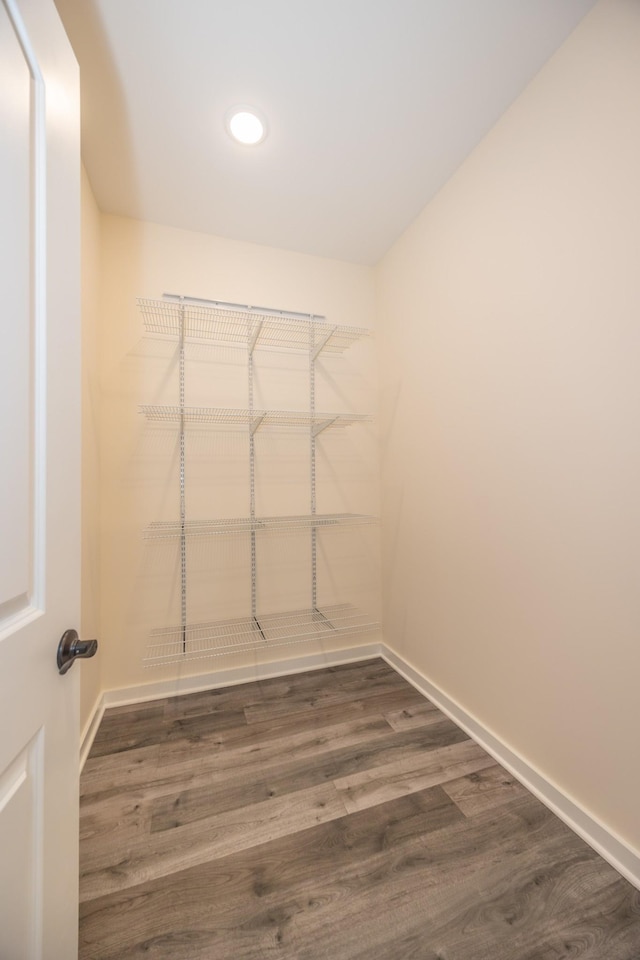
319	427
253	337
254	423
183	505
312	451
320	347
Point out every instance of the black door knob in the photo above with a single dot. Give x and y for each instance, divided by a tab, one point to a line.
71	648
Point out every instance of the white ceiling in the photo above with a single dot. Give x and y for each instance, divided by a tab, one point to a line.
372	105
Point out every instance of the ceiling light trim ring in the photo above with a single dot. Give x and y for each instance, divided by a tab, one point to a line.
246	125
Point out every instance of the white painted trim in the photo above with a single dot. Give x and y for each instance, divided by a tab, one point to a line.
90	729
158	689
600	837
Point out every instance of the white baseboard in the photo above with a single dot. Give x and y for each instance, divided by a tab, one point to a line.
601	838
158	689
90	729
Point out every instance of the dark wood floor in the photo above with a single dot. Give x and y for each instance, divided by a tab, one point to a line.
331	815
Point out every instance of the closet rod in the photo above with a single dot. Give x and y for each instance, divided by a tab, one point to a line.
224	305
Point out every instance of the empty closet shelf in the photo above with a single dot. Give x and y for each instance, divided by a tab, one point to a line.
170	529
204	640
254	419
213	323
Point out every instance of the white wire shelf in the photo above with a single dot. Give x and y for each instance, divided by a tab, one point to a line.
218	638
170	529
249	327
254	419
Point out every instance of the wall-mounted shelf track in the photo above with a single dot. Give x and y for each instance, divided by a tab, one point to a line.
188	319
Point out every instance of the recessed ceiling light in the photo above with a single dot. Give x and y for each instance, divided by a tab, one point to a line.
246	125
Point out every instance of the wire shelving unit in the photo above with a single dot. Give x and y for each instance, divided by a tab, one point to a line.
188	319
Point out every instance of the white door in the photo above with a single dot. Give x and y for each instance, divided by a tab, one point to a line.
39	482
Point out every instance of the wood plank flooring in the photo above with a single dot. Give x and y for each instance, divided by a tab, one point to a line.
330	815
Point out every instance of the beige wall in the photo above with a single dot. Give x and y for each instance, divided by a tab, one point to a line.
509	346
139	461
90	611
